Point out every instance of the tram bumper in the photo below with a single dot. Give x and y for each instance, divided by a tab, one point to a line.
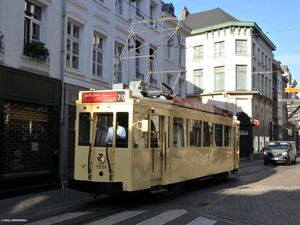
96	187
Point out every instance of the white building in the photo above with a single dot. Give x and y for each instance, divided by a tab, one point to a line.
230	64
87	40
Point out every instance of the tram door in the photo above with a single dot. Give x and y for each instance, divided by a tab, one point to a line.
156	137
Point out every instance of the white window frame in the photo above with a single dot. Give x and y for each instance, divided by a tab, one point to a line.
198	81
241	47
29	25
198	52
220	48
72	39
117	63
119	6
98	55
241	77
219	75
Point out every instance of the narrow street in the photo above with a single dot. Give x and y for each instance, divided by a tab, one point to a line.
257	194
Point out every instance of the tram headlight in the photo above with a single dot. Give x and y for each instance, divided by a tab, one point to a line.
101	158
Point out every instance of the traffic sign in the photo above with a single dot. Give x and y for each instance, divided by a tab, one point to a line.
292	89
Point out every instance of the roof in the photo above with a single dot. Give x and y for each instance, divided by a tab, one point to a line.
208	18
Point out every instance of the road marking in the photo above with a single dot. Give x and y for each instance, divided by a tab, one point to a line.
117	218
164	217
58	218
202	220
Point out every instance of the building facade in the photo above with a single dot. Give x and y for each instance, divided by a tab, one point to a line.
230	64
55	49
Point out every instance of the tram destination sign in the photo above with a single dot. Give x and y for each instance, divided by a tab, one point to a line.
103	96
200	106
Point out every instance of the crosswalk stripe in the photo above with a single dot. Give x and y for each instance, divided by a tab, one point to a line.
202	221
164	217
117	218
58	218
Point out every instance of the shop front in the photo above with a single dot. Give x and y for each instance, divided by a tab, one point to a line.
29	154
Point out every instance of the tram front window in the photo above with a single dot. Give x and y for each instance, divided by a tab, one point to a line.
106	132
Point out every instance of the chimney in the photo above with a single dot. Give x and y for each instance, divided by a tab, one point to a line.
184	13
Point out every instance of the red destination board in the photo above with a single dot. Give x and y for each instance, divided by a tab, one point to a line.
103	97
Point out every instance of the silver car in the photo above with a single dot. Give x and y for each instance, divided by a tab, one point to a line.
283	152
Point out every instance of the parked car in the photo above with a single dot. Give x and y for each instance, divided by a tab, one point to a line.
280	152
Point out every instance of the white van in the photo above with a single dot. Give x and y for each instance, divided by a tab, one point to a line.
280	152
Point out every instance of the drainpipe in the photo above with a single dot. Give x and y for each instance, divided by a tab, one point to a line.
62	77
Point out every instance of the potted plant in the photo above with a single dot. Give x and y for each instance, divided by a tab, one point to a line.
1	38
37	50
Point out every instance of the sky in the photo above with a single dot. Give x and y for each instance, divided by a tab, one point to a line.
278	19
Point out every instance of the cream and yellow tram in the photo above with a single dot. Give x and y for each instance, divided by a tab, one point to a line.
168	141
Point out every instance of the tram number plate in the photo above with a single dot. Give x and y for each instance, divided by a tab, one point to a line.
101	167
274	158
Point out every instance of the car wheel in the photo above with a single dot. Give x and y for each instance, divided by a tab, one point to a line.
265	163
288	161
294	162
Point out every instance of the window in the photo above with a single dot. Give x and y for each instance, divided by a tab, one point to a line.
207	134
179	125
97	56
119	6
138	50
198	52
241	77
220	49
152	16
169	79
84	129
180	88
170	44
72	56
241	47
118	64
138	9
32	23
219	134
219	78
198	81
195	133
151	65
254	50
227	136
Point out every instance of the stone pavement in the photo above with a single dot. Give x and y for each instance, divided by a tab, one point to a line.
268	198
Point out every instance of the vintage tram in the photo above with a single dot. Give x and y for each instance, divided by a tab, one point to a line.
169	140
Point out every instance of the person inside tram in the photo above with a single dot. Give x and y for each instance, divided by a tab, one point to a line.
121	134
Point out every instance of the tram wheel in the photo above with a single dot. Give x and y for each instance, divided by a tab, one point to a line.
221	176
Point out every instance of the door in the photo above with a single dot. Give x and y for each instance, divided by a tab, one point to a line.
156	146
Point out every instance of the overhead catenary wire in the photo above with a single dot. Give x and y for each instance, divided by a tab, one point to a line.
183	42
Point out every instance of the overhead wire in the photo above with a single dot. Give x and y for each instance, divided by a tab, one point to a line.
183	42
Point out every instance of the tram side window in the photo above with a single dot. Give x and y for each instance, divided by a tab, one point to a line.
207	134
179	125
227	136
103	123
219	134
84	129
195	133
122	120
